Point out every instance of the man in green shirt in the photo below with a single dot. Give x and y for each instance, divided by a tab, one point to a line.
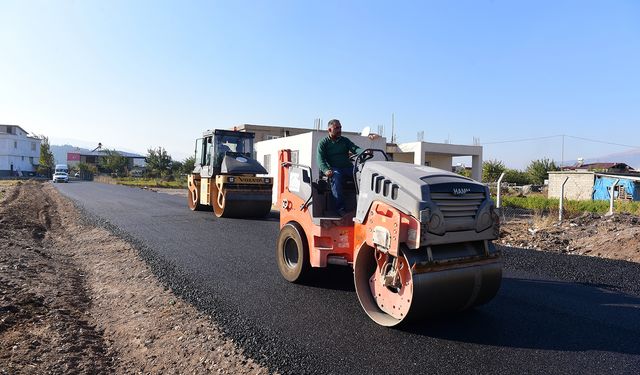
333	158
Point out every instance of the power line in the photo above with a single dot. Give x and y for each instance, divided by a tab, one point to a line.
560	135
608	143
521	140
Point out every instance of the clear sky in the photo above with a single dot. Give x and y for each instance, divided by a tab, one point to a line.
141	74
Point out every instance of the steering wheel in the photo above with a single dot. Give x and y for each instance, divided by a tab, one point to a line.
358	161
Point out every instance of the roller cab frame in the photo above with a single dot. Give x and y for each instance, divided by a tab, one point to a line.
225	176
419	239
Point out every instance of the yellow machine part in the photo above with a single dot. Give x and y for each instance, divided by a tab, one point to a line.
237	196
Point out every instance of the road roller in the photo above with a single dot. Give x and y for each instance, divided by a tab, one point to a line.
225	176
419	239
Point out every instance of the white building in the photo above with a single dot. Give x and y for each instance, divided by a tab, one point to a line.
303	147
437	155
19	152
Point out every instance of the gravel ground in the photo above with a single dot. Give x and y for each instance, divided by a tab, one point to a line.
74	298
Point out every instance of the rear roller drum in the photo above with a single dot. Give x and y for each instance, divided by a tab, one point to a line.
292	253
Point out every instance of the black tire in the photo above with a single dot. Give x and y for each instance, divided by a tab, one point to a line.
292	253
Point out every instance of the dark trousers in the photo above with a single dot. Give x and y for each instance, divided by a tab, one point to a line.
337	181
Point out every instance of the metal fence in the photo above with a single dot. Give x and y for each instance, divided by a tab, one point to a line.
508	214
515	214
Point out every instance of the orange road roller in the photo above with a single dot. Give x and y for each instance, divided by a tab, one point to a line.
419	239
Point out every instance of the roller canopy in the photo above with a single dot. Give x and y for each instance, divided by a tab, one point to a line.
239	164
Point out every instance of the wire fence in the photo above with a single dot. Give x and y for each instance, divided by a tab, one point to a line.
515	214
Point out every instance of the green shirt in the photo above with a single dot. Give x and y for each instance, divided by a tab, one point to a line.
335	154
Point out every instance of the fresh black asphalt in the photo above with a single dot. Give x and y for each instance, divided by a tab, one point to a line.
554	313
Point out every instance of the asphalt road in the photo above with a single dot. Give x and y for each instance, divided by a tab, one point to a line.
553	314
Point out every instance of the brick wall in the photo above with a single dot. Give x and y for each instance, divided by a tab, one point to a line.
579	186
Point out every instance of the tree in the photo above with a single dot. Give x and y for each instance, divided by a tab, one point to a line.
491	170
87	170
517	177
188	164
158	162
47	162
538	170
113	162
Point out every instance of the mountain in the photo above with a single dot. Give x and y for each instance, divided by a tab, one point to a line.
631	158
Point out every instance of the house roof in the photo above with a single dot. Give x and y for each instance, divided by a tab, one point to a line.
601	165
86	152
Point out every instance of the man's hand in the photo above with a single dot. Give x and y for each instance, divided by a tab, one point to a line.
329	173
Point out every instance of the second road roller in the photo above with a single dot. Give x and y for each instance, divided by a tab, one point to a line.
419	239
225	176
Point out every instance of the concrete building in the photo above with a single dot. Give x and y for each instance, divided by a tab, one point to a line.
19	152
81	155
437	155
303	147
265	132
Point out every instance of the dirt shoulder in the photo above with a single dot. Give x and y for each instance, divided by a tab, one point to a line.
613	237
76	298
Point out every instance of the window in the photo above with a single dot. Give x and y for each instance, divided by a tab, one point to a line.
33	146
267	163
15	144
23	158
294	156
31	160
269	136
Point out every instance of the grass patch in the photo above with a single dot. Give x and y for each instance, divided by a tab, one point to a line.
180	183
540	204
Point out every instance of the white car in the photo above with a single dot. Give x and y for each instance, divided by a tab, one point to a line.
60	177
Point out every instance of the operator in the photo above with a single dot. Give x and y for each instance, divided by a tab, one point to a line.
333	158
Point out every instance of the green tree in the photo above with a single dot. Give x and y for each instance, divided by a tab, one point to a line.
113	162
47	162
188	164
87	170
491	170
158	162
517	177
538	170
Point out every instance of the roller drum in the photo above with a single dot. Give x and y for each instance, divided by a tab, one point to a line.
453	288
242	204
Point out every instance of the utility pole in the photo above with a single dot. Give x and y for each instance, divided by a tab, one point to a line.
562	157
393	128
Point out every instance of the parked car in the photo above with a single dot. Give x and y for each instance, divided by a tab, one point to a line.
60	177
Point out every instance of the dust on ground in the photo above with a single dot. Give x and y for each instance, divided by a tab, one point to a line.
76	298
613	237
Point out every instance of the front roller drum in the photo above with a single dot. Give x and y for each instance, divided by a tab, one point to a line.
390	291
241	204
193	194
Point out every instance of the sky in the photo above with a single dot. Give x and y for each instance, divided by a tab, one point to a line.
136	75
